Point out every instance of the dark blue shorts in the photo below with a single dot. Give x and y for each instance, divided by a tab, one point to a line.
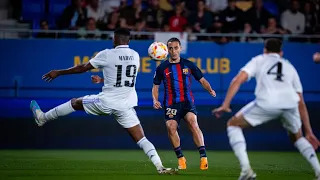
177	111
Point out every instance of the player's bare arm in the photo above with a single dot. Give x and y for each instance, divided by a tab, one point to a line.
232	91
73	70
306	123
96	79
155	97
206	85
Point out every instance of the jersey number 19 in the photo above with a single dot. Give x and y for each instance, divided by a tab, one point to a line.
128	74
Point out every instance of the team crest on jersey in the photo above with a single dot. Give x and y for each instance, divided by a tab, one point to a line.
185	71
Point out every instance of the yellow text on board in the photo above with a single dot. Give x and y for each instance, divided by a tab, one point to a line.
207	65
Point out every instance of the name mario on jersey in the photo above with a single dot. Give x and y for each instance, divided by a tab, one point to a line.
126	58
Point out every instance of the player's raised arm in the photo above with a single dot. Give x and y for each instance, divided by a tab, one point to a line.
155	88
97	62
73	70
234	87
248	71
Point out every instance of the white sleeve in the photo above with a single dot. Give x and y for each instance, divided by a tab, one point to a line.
250	68
302	23
284	20
100	60
296	82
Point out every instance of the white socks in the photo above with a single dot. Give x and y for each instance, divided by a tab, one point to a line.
61	110
307	151
238	144
151	152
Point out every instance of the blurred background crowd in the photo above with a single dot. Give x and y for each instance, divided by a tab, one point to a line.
193	16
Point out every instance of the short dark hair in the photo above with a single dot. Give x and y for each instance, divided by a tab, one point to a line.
273	45
122	31
173	39
122	36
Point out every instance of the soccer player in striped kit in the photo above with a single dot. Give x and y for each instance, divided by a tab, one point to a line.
175	73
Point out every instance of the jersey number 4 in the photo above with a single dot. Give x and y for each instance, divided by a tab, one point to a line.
278	73
129	73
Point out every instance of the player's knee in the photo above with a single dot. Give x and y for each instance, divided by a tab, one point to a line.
295	136
172	126
232	122
194	125
76	103
238	121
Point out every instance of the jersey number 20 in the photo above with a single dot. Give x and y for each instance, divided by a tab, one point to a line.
128	74
279	71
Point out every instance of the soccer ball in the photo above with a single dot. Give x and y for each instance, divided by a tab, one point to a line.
158	51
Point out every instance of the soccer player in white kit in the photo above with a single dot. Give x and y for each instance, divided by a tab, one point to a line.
118	97
278	95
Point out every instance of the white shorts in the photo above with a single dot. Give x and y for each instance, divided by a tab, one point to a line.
256	115
126	118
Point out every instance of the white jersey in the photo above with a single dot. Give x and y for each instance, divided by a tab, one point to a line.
277	81
120	69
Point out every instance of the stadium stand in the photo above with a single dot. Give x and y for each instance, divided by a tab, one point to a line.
204	16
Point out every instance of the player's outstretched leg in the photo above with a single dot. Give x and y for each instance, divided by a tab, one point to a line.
62	110
307	151
137	133
238	144
198	139
172	126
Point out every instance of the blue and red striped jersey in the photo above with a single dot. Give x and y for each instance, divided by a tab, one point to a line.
176	78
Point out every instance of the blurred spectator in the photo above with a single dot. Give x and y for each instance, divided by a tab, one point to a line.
191	36
177	21
165	5
130	14
273	28
292	19
155	16
90	31
317	10
247	29
140	27
217	27
191	5
282	4
217	5
45	26
244	5
201	19
232	17
257	16
113	24
311	18
110	6
123	5
73	16
113	21
96	11
166	28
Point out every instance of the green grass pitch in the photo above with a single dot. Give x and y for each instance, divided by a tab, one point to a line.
134	165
